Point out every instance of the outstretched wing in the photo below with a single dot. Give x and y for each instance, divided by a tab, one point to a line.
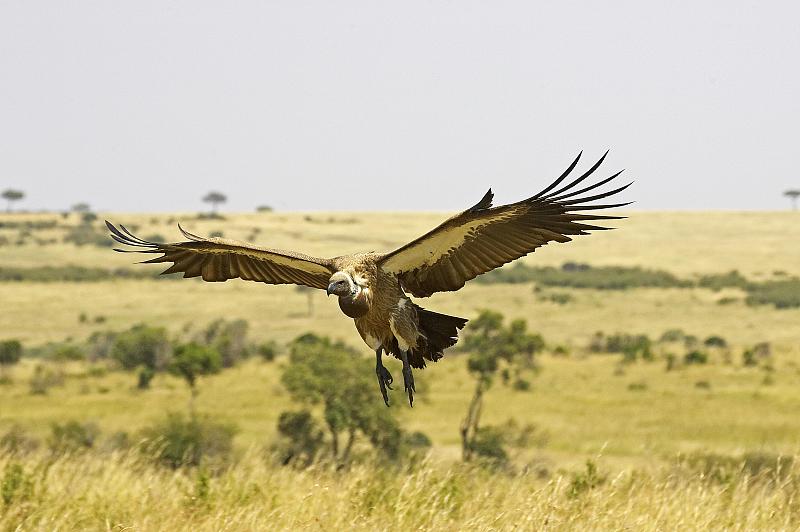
220	259
483	237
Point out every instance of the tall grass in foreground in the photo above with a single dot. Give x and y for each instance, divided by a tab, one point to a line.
123	491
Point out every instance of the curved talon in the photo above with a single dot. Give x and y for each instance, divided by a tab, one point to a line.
384	377
408	379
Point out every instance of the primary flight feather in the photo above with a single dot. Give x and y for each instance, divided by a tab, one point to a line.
372	287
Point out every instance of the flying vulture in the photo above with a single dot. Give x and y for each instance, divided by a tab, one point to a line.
373	287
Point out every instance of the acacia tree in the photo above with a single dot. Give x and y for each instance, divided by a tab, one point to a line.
142	348
11	196
192	360
321	372
793	194
215	198
10	353
493	348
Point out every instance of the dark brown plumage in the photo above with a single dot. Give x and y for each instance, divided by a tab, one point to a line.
371	286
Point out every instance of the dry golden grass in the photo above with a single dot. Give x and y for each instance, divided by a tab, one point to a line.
582	402
120	492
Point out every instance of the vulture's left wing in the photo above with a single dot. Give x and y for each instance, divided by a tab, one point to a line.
483	237
220	259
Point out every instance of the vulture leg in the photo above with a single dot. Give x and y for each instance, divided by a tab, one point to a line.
384	377
408	377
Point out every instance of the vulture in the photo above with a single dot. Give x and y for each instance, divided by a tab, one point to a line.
373	288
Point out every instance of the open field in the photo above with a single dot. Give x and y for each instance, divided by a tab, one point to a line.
631	419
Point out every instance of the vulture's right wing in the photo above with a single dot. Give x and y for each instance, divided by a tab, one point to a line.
220	259
483	237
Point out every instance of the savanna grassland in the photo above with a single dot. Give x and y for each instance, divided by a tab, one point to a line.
685	433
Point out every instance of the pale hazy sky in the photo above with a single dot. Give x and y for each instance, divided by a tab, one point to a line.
146	105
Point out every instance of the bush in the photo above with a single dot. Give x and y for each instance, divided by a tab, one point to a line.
559	298
229	338
86	235
631	346
67	352
179	441
301	438
267	351
10	352
16	440
715	341
672	335
192	360
45	378
574	275
585	480
72	436
724	469
17	484
73	274
718	281
781	294
488	443
142	346
695	357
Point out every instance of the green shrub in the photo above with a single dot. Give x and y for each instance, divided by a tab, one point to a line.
585	481
229	338
574	275
10	352
16	440
300	438
142	346
672	335
72	436
67	352
488	444
44	378
695	357
559	298
724	469
191	360
781	294
718	281
17	484
179	441
715	341
87	235
73	274
267	351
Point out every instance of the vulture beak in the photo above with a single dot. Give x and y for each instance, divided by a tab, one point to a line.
330	289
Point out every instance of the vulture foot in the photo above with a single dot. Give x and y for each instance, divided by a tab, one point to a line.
384	377
408	378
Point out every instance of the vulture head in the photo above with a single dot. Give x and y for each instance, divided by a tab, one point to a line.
342	284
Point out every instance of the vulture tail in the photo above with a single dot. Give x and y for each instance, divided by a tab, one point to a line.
439	331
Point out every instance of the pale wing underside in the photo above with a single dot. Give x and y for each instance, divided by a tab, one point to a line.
483	237
219	259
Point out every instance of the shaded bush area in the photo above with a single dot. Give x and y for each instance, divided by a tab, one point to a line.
718	281
574	275
74	274
780	294
632	346
724	469
179	441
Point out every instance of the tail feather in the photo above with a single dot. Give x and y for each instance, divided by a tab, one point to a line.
439	331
